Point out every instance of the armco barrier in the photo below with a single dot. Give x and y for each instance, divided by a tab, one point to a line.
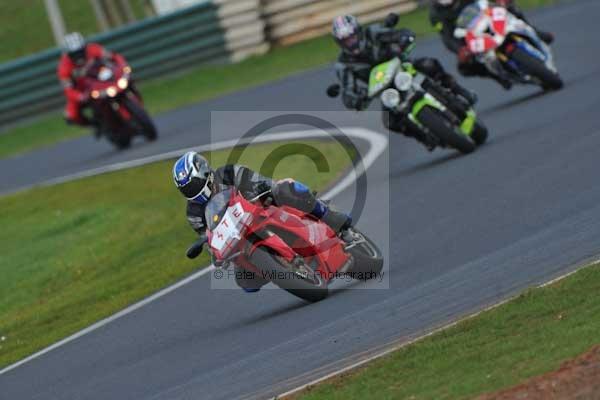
213	31
291	21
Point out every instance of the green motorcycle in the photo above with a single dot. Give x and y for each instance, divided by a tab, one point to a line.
444	118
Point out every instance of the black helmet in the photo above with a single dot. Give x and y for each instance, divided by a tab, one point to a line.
348	33
75	47
193	177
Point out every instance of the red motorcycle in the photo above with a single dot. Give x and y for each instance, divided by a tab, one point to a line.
117	105
292	249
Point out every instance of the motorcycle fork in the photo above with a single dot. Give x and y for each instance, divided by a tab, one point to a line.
446	99
426	99
122	111
416	128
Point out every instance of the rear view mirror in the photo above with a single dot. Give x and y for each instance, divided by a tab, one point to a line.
333	91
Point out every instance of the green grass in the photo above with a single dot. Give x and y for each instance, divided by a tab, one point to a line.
526	337
77	252
204	82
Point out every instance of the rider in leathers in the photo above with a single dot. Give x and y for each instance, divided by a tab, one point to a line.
444	15
77	57
365	47
198	182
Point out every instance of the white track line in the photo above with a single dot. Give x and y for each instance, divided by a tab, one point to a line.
377	141
394	346
377	145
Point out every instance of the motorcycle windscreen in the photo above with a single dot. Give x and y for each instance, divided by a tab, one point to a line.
216	208
468	17
225	222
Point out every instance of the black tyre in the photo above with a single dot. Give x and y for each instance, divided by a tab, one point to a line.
121	140
309	286
549	80
480	133
142	119
368	259
445	131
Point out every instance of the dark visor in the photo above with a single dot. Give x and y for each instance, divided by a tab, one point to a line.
193	188
351	42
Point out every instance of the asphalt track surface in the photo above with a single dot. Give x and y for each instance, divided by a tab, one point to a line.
466	232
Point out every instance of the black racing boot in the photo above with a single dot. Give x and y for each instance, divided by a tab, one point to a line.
504	82
546	37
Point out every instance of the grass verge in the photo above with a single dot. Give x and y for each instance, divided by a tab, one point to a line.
75	253
211	81
526	337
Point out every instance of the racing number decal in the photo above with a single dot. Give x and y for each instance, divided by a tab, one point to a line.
477	45
227	230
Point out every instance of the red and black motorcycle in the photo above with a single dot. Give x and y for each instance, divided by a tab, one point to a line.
283	245
117	105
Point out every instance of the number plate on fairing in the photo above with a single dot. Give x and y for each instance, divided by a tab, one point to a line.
228	232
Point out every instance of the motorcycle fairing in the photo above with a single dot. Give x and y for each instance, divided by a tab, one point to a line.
382	75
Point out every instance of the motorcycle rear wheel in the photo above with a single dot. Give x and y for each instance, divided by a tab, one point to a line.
312	289
549	80
443	129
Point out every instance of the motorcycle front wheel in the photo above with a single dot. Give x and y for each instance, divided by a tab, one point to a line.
549	80
142	118
120	140
480	133
309	286
445	131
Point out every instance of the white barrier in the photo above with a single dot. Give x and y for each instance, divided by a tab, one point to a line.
244	27
291	21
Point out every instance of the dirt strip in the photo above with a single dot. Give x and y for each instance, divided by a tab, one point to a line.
575	379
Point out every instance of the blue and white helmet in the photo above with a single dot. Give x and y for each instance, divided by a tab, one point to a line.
194	177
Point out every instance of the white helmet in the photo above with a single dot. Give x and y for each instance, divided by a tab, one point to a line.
347	32
445	3
74	46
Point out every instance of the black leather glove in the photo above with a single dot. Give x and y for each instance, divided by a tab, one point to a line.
196	249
